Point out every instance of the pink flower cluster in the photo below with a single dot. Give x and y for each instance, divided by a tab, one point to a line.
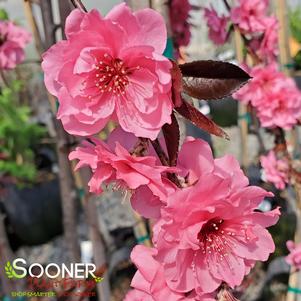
275	97
13	40
294	257
218	31
252	19
250	15
207	232
111	68
179	22
275	170
112	163
207	229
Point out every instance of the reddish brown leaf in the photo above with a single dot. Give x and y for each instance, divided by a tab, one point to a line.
200	120
177	85
171	134
212	79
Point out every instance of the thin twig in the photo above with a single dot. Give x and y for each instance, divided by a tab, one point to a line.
227	5
79	4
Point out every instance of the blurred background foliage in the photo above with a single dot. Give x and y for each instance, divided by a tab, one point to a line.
18	136
295	27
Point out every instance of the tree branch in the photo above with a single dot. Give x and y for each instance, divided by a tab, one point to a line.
164	160
79	4
160	152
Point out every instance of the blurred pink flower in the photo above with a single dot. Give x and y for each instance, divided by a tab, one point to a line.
275	170
150	279
266	47
13	40
209	232
111	68
269	45
250	15
217	26
275	97
116	164
179	16
294	257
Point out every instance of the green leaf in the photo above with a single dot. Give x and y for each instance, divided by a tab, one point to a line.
295	24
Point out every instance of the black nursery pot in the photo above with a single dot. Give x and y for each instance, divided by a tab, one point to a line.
34	214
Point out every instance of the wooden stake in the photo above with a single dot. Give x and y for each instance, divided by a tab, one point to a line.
242	109
284	52
33	25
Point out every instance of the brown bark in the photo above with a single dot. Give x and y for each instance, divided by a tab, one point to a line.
68	196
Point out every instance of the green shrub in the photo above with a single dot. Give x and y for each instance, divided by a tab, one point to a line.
18	136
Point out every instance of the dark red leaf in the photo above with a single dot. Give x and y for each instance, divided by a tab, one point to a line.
177	84
200	120
171	134
212	79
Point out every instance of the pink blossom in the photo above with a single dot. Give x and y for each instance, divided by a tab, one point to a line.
143	200
116	164
179	15
111	68
249	15
150	279
275	170
294	258
275	97
266	47
209	232
189	172
147	204
204	163
13	40
217	26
